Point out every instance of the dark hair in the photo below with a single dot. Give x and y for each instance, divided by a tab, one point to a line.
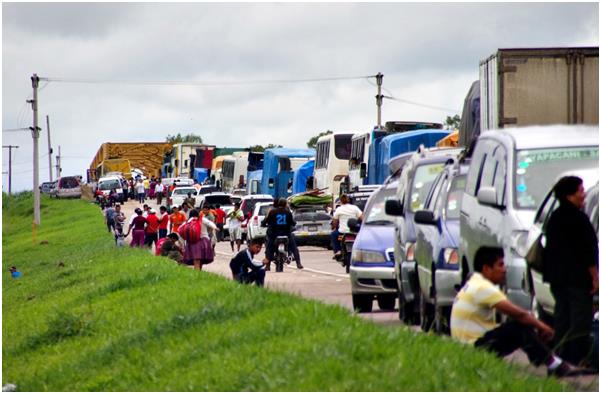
256	241
487	255
193	213
344	199
282	203
218	206
138	211
173	236
162	208
566	186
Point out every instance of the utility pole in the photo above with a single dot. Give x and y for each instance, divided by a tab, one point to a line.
10	165
379	98
58	163
49	149
35	134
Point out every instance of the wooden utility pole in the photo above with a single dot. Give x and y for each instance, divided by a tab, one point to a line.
10	165
49	149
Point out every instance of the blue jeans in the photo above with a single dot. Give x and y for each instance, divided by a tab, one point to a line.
336	246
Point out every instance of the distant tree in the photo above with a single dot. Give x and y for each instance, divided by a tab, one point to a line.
177	139
312	143
261	148
453	122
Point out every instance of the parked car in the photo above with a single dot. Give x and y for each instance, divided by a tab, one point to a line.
223	199
372	258
437	241
46	187
247	206
543	303
236	199
255	231
511	171
68	187
312	226
417	175
179	194
106	184
206	189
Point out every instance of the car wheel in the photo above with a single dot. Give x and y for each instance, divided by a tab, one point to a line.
363	303
407	311
386	302
426	311
442	319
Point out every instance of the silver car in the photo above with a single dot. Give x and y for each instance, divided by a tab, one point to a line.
511	171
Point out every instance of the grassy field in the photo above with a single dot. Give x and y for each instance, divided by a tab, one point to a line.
110	319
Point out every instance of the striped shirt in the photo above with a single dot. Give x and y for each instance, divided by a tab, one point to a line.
473	314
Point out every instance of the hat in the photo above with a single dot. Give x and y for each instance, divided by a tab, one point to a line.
151	210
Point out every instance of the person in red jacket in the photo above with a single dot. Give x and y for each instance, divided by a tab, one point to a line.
152	228
219	221
163	222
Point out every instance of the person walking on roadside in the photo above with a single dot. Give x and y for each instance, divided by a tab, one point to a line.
109	217
163	222
245	269
473	318
176	219
571	266
206	212
137	227
152	188
199	251
236	217
219	221
140	191
159	191
146	184
152	229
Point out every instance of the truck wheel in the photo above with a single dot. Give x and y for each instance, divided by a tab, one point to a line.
362	303
386	302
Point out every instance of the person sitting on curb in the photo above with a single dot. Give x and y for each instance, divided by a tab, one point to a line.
473	318
244	269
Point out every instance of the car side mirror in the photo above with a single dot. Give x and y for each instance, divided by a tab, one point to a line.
362	170
394	208
487	195
424	217
354	225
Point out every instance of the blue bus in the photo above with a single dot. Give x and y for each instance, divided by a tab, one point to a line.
279	165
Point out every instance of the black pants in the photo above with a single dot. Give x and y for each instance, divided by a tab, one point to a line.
510	336
573	322
150	238
270	249
257	277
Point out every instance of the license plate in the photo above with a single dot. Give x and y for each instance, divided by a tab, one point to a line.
312	228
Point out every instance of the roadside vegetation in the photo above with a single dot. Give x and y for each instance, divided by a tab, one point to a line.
86	316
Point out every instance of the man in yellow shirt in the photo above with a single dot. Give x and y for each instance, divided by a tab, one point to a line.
473	318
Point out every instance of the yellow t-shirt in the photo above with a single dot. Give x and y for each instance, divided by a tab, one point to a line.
473	311
146	183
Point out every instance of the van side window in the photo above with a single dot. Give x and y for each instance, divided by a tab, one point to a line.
434	193
488	171
473	178
500	181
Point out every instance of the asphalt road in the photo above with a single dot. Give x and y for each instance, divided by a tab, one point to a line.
324	279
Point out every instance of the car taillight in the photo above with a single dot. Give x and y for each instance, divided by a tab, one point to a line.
256	220
410	249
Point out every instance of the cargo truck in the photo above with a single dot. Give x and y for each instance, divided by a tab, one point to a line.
539	86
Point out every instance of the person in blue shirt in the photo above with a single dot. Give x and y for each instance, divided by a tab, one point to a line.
14	273
244	269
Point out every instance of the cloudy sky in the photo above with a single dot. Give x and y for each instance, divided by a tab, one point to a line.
136	59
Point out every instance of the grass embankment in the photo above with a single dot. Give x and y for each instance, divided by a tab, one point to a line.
110	319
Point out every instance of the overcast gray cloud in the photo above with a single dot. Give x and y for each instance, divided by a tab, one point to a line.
429	53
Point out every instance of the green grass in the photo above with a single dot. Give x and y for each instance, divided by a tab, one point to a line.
111	319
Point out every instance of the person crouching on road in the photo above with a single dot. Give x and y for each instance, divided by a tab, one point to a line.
473	318
244	269
138	223
170	247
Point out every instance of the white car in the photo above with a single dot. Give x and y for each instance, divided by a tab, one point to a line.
108	183
179	194
224	200
254	224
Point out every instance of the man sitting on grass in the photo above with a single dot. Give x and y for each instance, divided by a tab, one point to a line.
244	269
473	318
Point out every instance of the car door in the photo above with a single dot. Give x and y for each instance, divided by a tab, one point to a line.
490	220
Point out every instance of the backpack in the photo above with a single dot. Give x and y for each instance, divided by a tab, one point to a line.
190	231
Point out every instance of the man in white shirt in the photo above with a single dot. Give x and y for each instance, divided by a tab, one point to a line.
236	217
340	222
158	191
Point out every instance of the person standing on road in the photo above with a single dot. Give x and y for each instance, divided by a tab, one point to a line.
571	266
146	184
190	201
206	213
159	191
341	216
176	219
219	221
245	269
163	222
152	188
200	252
473	318
109	217
280	222
140	191
236	218
138	225
152	228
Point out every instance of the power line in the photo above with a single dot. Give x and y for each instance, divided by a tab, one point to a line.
199	83
13	130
